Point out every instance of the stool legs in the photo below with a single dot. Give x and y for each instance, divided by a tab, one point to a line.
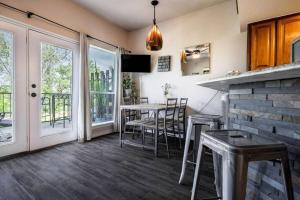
217	161
200	159
186	149
287	176
235	171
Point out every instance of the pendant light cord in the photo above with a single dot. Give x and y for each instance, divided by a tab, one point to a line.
154	20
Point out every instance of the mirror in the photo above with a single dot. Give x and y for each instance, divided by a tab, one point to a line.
195	60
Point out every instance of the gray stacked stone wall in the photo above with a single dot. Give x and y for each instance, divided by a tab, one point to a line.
271	109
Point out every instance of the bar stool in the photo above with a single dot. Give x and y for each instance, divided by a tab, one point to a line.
213	121
237	149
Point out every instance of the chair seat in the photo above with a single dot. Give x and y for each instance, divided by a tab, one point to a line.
139	122
152	125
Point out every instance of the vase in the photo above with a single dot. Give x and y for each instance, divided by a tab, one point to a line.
128	92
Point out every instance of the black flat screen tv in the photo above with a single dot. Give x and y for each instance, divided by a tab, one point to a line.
136	63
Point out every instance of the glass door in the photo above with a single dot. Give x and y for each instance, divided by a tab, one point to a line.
13	90
53	99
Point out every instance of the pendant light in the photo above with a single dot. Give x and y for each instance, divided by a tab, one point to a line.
154	40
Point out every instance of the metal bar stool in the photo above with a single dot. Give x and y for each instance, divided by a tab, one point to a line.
237	149
213	121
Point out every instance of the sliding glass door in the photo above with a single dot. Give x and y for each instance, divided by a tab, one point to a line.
102	84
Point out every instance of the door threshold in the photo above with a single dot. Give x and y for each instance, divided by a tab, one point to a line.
17	155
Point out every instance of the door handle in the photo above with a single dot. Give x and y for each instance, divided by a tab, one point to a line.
33	94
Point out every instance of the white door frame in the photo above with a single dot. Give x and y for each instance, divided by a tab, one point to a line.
19	141
23	136
37	140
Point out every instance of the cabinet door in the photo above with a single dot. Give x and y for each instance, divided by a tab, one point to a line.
262	45
288	30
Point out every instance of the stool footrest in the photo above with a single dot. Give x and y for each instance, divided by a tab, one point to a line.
190	162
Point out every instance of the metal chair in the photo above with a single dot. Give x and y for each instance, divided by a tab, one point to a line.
137	118
145	113
180	120
130	115
165	124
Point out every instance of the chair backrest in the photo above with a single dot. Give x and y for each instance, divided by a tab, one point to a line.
170	110
182	109
143	100
143	113
127	101
129	114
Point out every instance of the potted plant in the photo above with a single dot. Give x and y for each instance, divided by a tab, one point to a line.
127	86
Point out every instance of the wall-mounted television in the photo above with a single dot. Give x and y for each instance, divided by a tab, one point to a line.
136	63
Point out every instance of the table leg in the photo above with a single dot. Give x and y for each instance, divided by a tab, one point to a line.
217	162
196	140
235	171
287	176
200	159
156	133
120	127
186	148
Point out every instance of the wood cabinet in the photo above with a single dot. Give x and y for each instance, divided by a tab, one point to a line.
262	45
270	41
288	29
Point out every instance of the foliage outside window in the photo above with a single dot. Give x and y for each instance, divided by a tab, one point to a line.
102	85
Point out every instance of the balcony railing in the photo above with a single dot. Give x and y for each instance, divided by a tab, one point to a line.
57	108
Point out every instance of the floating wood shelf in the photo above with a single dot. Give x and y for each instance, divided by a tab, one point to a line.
274	73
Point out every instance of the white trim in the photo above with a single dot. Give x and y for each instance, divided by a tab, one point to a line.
40	30
102	124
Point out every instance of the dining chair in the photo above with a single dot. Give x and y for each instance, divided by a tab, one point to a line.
165	124
130	115
144	113
140	116
180	120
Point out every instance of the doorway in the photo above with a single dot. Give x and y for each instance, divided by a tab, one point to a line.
38	96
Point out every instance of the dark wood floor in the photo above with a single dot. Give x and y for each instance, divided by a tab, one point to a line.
99	169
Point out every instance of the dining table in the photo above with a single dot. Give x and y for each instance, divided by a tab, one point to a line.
155	108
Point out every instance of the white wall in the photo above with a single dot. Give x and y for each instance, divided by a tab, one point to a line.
218	25
69	14
258	10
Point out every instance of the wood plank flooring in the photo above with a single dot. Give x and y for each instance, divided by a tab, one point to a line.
99	169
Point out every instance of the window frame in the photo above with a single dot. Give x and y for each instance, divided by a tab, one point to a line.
101	124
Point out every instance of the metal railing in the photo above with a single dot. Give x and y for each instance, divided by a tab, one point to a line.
57	107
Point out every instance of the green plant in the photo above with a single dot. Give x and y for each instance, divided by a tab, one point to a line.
127	83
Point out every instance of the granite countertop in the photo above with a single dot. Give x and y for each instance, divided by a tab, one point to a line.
267	74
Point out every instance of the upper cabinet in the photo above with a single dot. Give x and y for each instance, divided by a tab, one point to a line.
270	41
262	45
288	29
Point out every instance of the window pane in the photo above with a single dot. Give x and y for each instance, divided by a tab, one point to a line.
56	89
6	87
102	85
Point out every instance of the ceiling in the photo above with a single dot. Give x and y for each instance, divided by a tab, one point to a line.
135	14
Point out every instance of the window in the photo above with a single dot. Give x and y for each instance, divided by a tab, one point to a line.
56	89
102	85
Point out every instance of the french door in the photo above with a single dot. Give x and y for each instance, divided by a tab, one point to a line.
13	90
38	96
52	86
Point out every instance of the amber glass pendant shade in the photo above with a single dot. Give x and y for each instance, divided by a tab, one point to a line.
154	41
